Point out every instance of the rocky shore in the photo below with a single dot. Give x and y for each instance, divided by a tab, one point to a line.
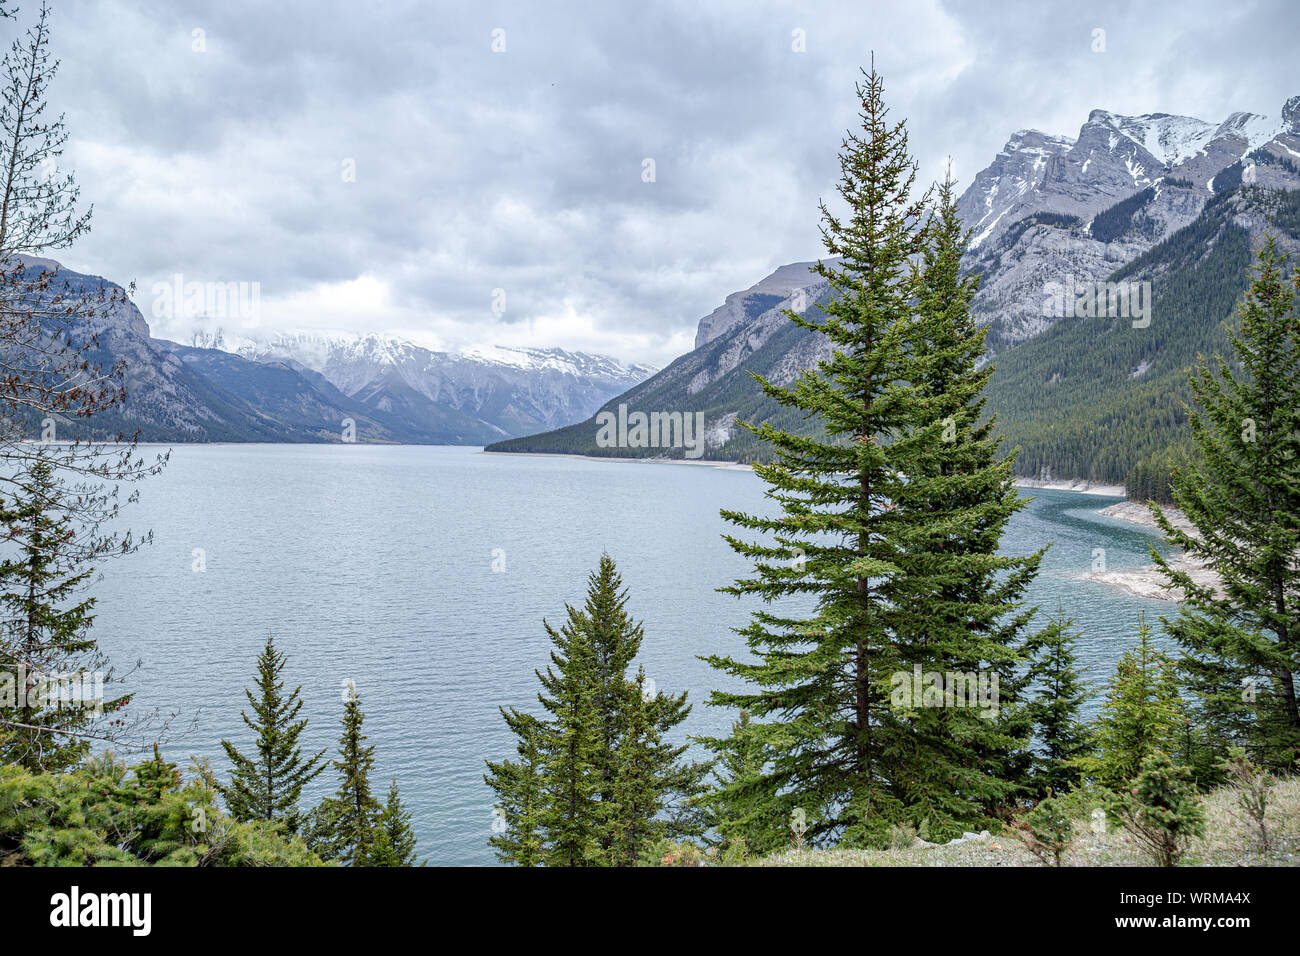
1147	581
1080	486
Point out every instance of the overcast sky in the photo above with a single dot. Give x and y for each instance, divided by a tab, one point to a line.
222	155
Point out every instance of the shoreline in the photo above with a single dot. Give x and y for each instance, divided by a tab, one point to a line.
1078	486
712	463
1148	581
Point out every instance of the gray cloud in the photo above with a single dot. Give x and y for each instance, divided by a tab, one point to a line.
521	170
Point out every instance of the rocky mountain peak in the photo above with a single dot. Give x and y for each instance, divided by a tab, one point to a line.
777	290
1291	115
1168	138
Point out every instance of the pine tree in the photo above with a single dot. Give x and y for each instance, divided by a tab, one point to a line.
571	747
516	828
1242	497
1161	810
268	785
395	842
595	781
1056	712
342	827
1142	714
45	641
959	602
1047	830
615	641
891	523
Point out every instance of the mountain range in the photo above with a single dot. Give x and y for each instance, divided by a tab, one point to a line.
1173	201
513	391
302	387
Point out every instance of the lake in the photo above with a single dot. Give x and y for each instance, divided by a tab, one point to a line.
376	564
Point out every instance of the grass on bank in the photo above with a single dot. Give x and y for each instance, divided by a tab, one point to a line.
1231	839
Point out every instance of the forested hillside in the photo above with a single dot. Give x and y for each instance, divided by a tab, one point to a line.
1101	400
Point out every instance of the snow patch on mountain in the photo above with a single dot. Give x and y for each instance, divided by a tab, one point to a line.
1170	139
1031	210
515	390
319	350
1254	128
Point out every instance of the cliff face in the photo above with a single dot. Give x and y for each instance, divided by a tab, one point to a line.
773	293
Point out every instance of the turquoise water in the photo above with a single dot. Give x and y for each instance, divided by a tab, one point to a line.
376	565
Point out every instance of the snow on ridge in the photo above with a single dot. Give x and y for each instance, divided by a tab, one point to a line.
536	359
1170	139
1259	130
1176	139
318	348
1023	134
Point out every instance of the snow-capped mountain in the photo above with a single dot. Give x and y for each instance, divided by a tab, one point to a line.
1112	157
1054	206
1015	173
512	390
282	389
1031	211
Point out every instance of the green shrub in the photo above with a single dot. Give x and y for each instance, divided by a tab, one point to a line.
1162	810
1253	789
666	852
107	814
1047	830
901	836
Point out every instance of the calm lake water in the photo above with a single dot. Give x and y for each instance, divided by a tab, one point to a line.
375	564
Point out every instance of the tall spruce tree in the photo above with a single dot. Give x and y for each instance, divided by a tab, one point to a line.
571	746
49	662
615	640
268	785
891	524
1241	494
595	782
342	827
958	603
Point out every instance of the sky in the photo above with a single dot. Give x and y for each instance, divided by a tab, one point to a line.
592	176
